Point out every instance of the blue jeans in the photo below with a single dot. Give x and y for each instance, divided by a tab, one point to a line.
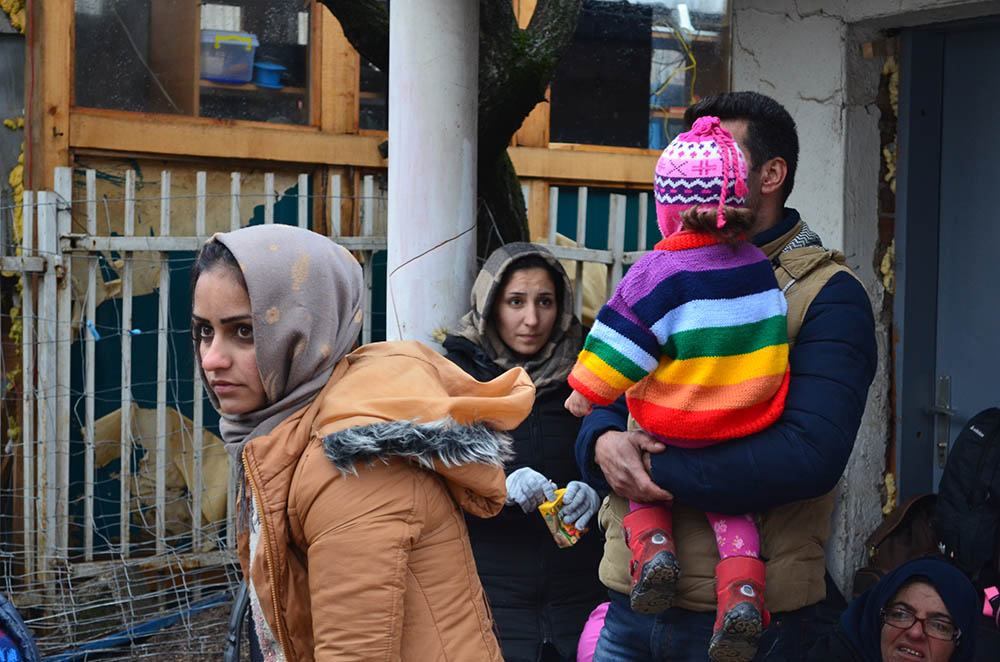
679	635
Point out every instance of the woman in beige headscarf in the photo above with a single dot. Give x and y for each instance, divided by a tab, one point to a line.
541	594
354	466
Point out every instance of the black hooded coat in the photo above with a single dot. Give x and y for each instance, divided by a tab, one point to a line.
539	593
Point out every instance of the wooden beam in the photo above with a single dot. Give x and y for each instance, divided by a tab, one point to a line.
584	166
534	131
259	141
181	562
607	149
219	139
341	76
538	209
48	81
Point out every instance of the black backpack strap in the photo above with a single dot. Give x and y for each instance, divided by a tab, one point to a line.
241	607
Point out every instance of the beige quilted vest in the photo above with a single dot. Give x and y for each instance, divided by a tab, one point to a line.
791	536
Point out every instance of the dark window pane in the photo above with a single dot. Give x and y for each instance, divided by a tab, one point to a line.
373	103
633	67
238	60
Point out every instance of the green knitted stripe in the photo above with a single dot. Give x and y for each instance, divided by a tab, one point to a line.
727	340
614	358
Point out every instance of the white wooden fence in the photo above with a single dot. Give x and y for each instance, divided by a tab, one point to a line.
79	582
615	257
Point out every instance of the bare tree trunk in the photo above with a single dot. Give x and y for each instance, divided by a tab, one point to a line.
499	194
515	68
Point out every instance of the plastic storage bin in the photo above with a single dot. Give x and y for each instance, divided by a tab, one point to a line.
227	57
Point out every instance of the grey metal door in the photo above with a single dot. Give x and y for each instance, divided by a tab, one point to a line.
967	367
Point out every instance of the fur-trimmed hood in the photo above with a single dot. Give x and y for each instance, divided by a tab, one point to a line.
455	451
444	441
403	400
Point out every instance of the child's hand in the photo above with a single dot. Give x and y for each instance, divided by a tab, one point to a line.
578	405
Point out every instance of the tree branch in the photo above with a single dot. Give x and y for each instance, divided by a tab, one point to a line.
366	25
515	68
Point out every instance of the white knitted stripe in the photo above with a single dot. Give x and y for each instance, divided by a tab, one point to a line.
711	313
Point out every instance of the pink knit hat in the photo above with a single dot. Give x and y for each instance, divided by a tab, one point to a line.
695	169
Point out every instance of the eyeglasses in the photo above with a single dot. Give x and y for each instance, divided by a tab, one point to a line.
936	628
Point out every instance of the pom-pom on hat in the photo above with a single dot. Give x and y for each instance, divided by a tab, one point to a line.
695	169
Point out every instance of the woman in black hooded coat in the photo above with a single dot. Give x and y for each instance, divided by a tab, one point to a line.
541	594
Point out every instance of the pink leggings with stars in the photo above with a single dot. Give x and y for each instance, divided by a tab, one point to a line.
736	535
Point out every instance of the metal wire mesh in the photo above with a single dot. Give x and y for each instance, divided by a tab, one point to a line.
116	495
117	537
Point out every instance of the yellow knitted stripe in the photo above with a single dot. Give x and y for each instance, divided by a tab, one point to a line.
603	371
720	371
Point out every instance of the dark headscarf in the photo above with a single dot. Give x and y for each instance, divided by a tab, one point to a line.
550	365
862	622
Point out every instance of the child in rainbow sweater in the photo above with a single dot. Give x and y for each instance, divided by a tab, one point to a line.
695	335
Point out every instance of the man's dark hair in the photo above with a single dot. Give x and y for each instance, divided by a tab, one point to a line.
770	129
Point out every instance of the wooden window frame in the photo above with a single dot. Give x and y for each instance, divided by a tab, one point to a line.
57	128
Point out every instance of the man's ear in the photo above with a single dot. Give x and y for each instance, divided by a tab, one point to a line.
772	175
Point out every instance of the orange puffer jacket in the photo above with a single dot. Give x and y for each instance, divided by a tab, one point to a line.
363	552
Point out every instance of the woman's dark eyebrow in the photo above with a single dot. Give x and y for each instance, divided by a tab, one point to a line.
933	614
224	320
940	615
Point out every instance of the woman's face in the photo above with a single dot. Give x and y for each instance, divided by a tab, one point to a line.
526	310
912	644
223	330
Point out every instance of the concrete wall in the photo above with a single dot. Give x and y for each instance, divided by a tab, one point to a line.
807	55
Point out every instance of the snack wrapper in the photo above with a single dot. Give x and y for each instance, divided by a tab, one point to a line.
565	534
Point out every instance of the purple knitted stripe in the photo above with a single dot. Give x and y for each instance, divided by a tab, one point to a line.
656	266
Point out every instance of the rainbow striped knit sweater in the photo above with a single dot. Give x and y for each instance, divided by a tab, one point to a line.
695	334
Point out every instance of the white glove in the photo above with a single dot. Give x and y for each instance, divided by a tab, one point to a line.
529	489
579	504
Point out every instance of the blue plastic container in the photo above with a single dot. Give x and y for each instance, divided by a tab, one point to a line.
267	74
227	57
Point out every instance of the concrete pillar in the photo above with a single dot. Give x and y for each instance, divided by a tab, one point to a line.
433	102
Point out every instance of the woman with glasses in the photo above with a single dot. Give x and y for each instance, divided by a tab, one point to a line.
923	610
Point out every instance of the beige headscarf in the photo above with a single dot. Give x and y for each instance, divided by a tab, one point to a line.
305	301
550	365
